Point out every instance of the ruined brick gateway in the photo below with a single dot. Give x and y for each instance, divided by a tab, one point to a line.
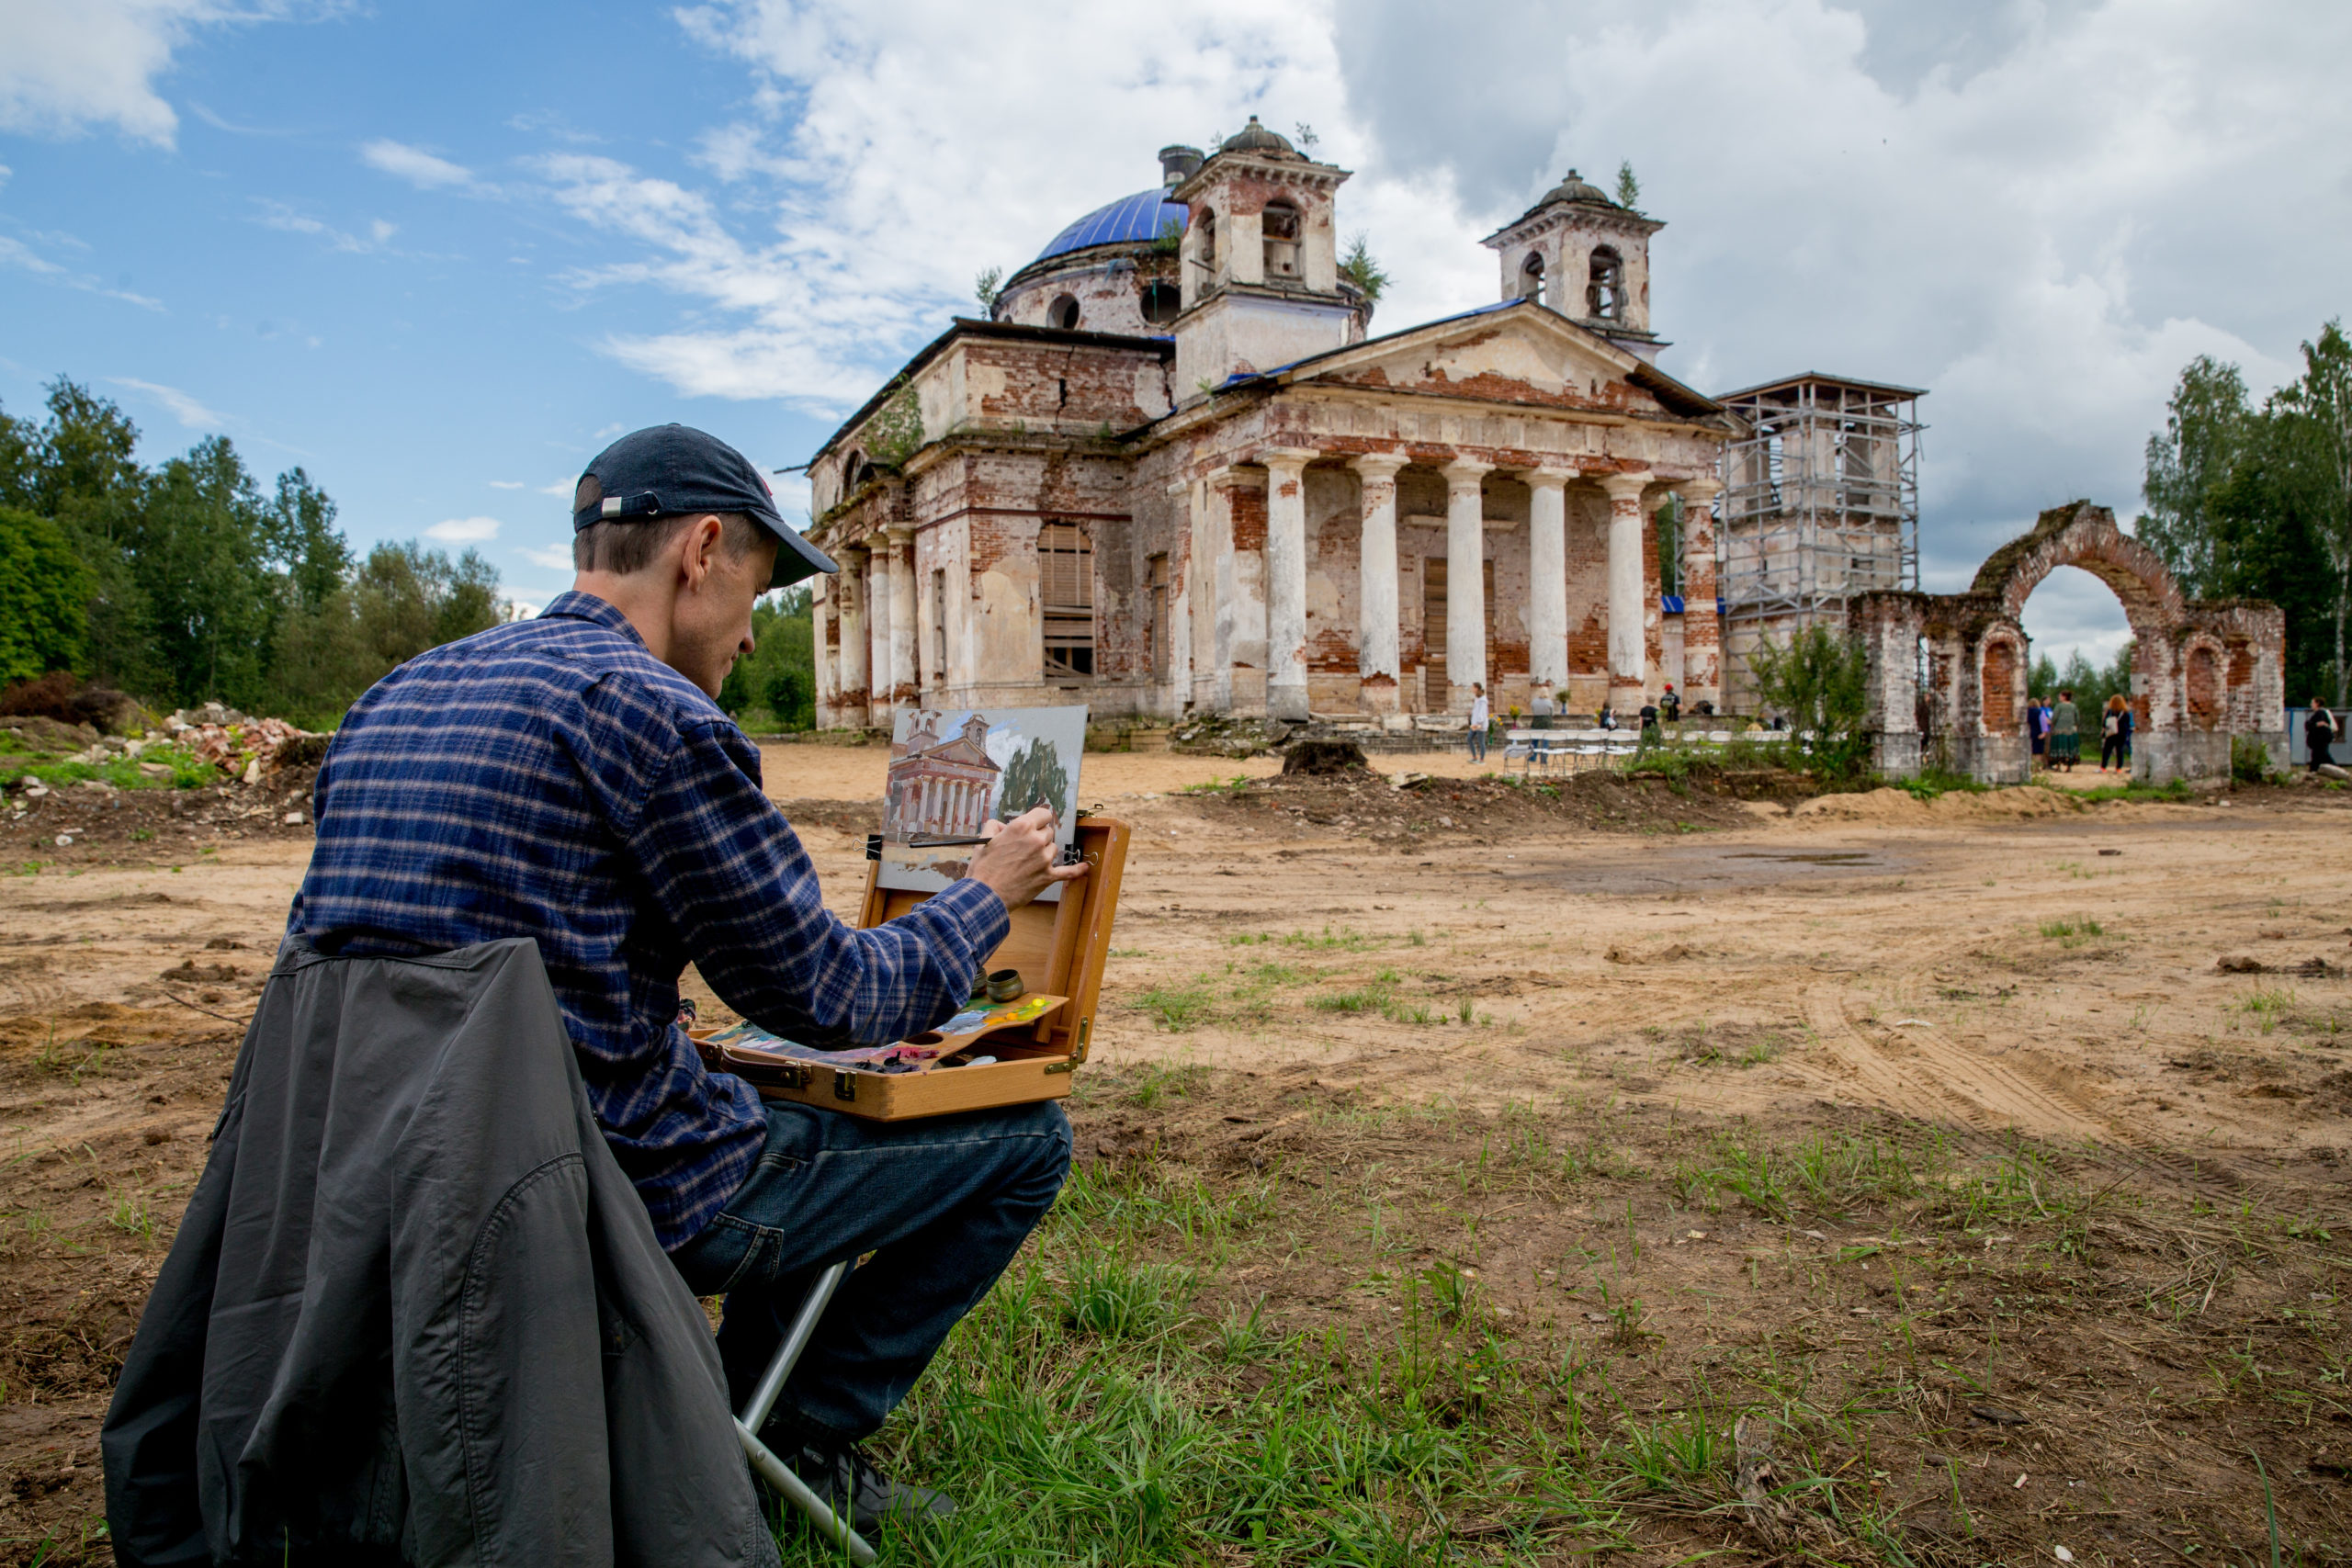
1172	475
1948	671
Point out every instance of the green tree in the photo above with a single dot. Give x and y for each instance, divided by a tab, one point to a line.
1358	267
2313	452
44	595
2207	426
1629	189
779	678
1819	682
1034	777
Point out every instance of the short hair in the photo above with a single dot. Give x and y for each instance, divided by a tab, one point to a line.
622	545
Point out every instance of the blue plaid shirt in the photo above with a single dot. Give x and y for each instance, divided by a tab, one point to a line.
552	778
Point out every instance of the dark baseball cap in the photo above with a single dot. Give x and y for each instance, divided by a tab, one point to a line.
668	468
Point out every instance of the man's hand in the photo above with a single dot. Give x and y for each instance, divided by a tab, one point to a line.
1017	862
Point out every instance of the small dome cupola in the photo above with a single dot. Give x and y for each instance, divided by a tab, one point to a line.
1256	137
1574	189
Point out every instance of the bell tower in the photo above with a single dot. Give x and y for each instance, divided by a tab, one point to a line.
1585	256
1260	278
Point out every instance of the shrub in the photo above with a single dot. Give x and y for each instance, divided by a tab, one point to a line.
1820	681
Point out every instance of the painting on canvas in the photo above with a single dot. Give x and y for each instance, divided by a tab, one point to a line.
953	769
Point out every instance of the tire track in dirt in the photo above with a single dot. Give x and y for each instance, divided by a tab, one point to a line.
1939	1076
1934	1079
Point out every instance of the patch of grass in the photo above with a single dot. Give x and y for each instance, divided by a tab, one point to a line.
1160	1082
1233	785
1934	781
1176	1007
2073	932
2271	1008
1114	1299
188	770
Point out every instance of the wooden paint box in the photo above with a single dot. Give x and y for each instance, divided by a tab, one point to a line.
1060	950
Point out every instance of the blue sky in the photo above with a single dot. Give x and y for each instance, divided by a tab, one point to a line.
436	254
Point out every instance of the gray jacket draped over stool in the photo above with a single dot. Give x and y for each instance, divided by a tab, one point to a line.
415	1313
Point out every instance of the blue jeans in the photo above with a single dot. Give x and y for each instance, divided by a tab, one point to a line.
944	1203
1477	742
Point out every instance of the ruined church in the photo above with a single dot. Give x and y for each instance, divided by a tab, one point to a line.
1175	473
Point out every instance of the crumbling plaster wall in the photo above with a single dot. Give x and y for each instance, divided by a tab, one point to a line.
1109	290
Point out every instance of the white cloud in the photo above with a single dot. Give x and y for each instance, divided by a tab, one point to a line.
464	530
16	254
286	220
923	142
555	557
506	484
186	408
69	65
564	488
4	173
418	167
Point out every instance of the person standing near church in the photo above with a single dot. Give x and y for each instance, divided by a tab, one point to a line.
2319	734
2065	733
1480	720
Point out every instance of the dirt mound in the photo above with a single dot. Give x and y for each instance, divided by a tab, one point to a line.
70	701
1410	808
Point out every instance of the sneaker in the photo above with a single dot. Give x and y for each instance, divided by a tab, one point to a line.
852	1488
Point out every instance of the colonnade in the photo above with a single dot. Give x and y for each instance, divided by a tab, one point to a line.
1379	660
948	806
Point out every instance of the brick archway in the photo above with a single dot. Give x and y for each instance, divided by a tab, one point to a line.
2206	670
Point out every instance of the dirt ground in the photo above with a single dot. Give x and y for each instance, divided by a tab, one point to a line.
1337	980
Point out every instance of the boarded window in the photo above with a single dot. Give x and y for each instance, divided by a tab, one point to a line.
1066	597
1156	587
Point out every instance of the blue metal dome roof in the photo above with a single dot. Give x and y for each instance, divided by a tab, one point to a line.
1131	219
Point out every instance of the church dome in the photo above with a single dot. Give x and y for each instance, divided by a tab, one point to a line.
1574	189
1256	137
1132	220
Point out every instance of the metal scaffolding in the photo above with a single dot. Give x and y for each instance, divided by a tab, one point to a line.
1821	502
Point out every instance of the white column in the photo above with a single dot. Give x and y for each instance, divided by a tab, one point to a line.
821	610
1628	651
1466	582
1547	580
1285	580
1379	665
877	625
903	686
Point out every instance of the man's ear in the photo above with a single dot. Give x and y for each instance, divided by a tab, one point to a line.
698	550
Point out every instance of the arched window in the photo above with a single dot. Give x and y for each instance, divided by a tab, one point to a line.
1160	303
1206	226
1062	313
1531	277
1604	296
1278	225
856	471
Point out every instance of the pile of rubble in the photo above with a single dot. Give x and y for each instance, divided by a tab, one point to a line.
235	742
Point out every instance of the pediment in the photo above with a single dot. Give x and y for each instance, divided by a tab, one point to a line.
1518	354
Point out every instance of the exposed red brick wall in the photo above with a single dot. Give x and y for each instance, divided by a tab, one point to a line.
1248	518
